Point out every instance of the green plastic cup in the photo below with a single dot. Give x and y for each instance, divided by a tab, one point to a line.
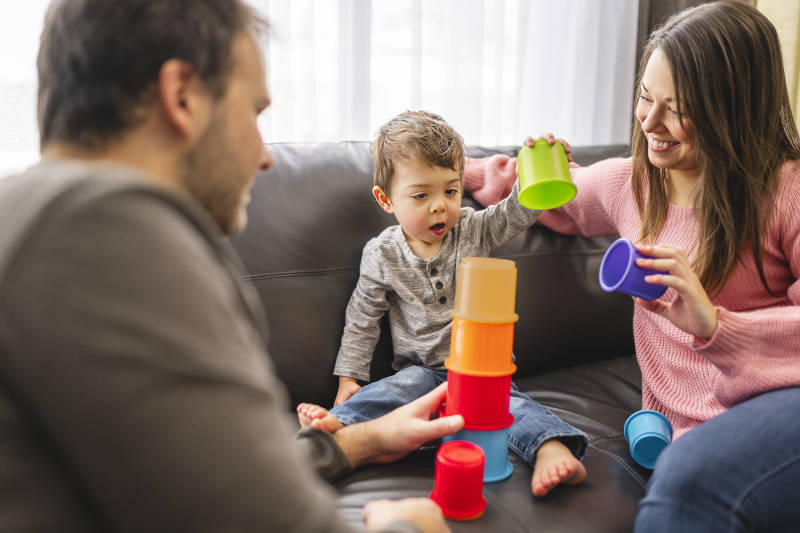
544	181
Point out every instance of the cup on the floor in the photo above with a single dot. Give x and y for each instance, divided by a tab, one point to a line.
648	433
458	480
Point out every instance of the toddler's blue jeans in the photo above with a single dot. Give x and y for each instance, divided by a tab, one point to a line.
533	423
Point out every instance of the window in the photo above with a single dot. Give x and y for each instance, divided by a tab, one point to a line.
20	26
497	70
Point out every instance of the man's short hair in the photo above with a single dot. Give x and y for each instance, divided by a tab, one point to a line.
99	60
416	134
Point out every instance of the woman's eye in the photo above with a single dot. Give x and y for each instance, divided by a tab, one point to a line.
645	99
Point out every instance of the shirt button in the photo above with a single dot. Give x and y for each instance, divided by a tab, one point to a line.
434	272
439	285
442	300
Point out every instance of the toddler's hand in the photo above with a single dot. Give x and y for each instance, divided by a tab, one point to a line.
551	139
347	387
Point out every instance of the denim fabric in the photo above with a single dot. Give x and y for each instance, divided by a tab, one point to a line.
533	423
739	471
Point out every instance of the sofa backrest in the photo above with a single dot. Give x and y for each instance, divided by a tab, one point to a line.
311	214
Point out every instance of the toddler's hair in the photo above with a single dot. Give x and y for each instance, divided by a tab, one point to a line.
416	134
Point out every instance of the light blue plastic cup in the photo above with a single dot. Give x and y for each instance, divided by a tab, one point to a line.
619	272
648	433
495	450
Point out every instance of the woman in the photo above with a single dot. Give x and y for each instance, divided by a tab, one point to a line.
712	192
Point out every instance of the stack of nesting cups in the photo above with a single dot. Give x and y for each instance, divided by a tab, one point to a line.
480	365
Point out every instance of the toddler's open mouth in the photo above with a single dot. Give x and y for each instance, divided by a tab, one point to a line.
438	229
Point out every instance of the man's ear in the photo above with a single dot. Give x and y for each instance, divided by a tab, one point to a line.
184	101
382	199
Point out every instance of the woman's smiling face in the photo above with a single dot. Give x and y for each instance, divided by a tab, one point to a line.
670	141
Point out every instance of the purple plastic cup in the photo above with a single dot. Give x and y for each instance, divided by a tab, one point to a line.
619	272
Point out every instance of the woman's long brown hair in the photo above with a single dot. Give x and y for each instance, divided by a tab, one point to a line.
729	80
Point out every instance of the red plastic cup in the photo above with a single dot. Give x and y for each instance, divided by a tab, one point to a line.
458	480
483	401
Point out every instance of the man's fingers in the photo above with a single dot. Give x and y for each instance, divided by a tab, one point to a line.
432	401
441	427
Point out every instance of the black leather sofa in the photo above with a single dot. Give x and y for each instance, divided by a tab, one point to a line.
311	214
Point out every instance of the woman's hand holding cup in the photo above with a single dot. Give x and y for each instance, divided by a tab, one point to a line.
551	140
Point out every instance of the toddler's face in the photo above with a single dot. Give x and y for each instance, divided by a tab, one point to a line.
426	200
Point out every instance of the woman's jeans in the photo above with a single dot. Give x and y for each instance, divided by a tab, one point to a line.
533	424
739	471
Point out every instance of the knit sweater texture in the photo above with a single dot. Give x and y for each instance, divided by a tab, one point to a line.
756	347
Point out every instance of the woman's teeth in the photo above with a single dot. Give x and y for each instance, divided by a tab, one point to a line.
660	144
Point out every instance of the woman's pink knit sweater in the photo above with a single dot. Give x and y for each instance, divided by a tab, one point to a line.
756	347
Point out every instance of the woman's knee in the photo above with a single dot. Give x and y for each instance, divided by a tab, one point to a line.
680	466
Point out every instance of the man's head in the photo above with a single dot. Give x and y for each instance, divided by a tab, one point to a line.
419	170
180	81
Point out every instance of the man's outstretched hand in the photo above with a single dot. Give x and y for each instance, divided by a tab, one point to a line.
395	434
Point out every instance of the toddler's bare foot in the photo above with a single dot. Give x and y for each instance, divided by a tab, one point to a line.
309	414
554	465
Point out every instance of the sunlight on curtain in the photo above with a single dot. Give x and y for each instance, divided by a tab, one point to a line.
20	26
496	69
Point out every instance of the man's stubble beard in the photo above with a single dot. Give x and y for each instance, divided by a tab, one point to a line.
211	179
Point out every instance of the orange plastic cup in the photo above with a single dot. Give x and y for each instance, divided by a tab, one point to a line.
482	401
481	348
485	290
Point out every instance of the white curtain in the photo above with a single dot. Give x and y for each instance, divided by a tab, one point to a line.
20	26
497	70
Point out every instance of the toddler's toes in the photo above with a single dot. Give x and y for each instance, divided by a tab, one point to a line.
328	423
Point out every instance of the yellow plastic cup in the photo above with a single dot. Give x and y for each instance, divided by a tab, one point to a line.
544	180
481	348
485	290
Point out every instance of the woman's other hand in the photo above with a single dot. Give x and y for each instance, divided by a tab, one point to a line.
551	140
692	310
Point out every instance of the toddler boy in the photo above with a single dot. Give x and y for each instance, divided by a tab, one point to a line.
409	271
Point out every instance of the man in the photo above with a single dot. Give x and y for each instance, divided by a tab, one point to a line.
135	390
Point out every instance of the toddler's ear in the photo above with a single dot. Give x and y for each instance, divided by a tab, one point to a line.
382	199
